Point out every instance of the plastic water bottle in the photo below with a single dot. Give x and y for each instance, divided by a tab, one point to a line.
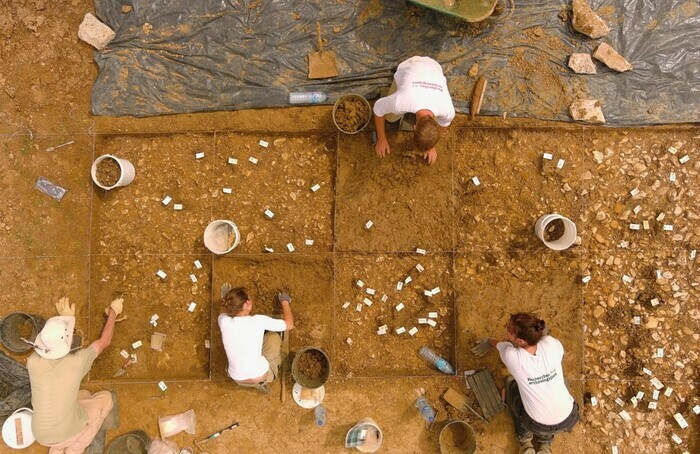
439	362
426	411
307	97
320	416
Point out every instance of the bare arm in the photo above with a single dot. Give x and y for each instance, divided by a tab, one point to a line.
493	342
382	146
106	338
287	314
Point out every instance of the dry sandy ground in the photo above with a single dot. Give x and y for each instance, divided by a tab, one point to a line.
482	254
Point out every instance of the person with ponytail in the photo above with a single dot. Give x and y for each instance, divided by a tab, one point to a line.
535	393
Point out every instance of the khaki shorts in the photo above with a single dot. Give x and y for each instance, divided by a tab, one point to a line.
97	407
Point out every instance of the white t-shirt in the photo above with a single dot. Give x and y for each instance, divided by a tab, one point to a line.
420	84
540	379
243	339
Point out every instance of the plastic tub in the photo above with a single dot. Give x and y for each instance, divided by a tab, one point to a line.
457	437
310	382
128	172
565	241
17	429
217	234
364	101
12	327
374	437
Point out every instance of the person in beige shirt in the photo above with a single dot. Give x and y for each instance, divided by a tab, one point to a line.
66	418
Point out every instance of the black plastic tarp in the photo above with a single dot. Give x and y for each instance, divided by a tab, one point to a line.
15	390
177	56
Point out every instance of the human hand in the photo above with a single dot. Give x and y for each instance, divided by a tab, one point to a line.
382	147
482	346
225	288
430	155
64	308
117	306
284	296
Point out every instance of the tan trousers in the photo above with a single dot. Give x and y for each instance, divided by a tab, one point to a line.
97	407
272	343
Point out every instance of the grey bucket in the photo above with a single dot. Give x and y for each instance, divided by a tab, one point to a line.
457	437
308	382
10	334
134	442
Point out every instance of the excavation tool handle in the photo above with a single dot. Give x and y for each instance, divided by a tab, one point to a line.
318	34
216	434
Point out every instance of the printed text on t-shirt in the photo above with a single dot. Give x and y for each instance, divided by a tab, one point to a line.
428	85
542	378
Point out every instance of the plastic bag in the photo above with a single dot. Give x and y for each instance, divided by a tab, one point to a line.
171	425
163	447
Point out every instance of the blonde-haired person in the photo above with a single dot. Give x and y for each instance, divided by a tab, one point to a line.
67	418
252	342
420	88
536	394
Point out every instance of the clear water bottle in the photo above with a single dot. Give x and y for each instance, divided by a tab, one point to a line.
439	362
426	411
307	97
320	416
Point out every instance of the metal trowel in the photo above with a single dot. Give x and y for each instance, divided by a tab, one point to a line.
322	63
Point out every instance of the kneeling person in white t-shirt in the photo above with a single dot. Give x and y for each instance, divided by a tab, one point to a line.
252	342
536	394
420	88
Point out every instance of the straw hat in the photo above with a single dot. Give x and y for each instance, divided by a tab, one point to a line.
54	340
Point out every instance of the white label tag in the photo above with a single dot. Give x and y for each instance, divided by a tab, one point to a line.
290	247
161	274
435	291
635	227
626	416
399	285
476	181
400	330
370	291
399	307
668	391
198	264
385	297
422	321
427	293
668	227
346	304
253	160
136	345
162	386
413	331
264	143
369	224
269	213
634	192
586	279
358	308
676	438
199	155
233	161
367	301
432	323
420	268
594	401
421	251
681	420
193	278
696	409
124	353
407	280
652	405
432	315
547	156
360	283
684	159
227	190
560	164
167	200
657	383
315	187
309	242
178	207
192	306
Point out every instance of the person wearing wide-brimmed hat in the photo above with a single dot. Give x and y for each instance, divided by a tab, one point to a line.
66	418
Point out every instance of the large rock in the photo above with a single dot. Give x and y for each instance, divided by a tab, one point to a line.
588	110
582	64
94	32
611	58
588	22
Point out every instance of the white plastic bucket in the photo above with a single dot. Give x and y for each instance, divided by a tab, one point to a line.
128	172
374	438
566	240
216	236
17	429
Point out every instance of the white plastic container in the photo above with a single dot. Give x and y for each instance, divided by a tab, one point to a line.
216	236
374	435
566	240
17	429
128	172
